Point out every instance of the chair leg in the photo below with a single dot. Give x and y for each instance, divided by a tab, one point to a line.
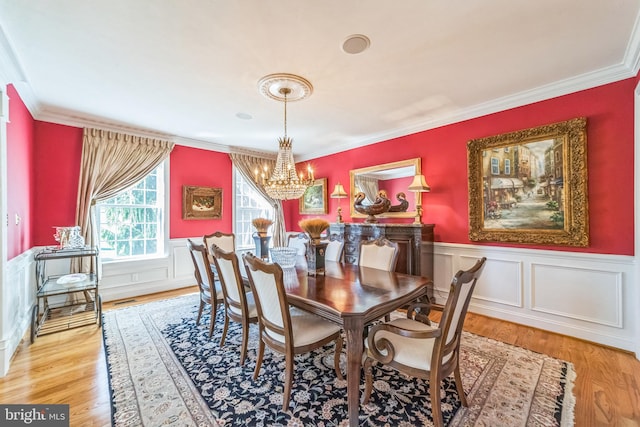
200	312
459	388
436	409
224	330
288	380
368	380
213	319
256	371
336	358
245	341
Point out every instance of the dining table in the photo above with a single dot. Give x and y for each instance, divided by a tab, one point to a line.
353	297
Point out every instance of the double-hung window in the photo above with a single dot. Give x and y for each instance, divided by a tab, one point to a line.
131	224
249	204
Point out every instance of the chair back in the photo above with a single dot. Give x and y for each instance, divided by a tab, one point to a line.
202	272
334	248
228	268
225	241
455	309
267	285
380	253
299	241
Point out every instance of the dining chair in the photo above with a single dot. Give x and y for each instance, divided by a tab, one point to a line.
286	329
335	248
225	241
299	241
380	253
419	349
210	289
239	304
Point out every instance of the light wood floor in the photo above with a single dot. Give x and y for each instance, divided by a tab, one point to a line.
69	367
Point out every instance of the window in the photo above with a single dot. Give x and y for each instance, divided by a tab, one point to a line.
507	167
131	224
495	166
249	204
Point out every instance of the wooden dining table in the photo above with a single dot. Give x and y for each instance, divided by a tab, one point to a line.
353	297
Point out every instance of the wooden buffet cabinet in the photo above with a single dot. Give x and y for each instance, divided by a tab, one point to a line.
415	244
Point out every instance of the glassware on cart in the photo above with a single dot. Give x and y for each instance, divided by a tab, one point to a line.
69	237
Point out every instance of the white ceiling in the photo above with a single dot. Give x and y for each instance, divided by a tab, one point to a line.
185	69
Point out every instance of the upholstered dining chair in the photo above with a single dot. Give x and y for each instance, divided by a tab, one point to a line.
419	349
380	253
286	329
335	247
210	290
239	304
225	241
299	241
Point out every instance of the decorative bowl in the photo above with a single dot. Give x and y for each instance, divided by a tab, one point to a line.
284	256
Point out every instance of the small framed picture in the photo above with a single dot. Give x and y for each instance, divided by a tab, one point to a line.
201	202
314	200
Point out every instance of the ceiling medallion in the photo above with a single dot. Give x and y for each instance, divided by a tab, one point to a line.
270	86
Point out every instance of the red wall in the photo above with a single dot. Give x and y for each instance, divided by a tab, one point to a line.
56	169
192	166
609	112
20	195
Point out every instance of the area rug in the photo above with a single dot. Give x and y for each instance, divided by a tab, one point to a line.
164	370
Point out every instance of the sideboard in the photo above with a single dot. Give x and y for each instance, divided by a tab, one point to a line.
415	244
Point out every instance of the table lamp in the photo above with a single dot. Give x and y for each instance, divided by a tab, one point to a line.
339	193
419	185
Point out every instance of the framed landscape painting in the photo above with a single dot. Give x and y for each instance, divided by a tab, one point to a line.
530	186
314	200
201	202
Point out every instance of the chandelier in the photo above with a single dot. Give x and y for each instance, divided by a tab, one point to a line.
285	183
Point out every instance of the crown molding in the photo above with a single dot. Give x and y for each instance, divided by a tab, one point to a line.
632	54
559	88
204	145
11	72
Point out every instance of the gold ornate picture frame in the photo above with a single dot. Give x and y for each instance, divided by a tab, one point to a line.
314	200
201	202
530	186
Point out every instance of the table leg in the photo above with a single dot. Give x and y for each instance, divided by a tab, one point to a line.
353	329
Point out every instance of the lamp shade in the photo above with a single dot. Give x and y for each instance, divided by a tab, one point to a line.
419	185
338	192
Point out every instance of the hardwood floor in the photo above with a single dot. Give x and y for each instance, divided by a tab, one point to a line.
70	367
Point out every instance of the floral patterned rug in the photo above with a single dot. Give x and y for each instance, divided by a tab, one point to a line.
165	371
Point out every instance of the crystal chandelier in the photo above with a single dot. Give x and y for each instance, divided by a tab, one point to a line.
284	182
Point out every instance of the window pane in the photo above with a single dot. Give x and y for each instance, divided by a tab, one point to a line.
130	223
249	204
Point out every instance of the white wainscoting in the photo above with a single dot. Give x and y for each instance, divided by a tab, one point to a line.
587	296
17	299
582	295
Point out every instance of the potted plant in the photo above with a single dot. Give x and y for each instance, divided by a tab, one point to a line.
262	225
314	227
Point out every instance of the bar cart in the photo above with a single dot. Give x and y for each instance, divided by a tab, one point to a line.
65	301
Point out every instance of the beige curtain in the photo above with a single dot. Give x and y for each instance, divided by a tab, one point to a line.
247	165
369	186
112	162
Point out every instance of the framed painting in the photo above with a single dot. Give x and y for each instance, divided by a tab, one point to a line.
530	186
314	200
201	202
